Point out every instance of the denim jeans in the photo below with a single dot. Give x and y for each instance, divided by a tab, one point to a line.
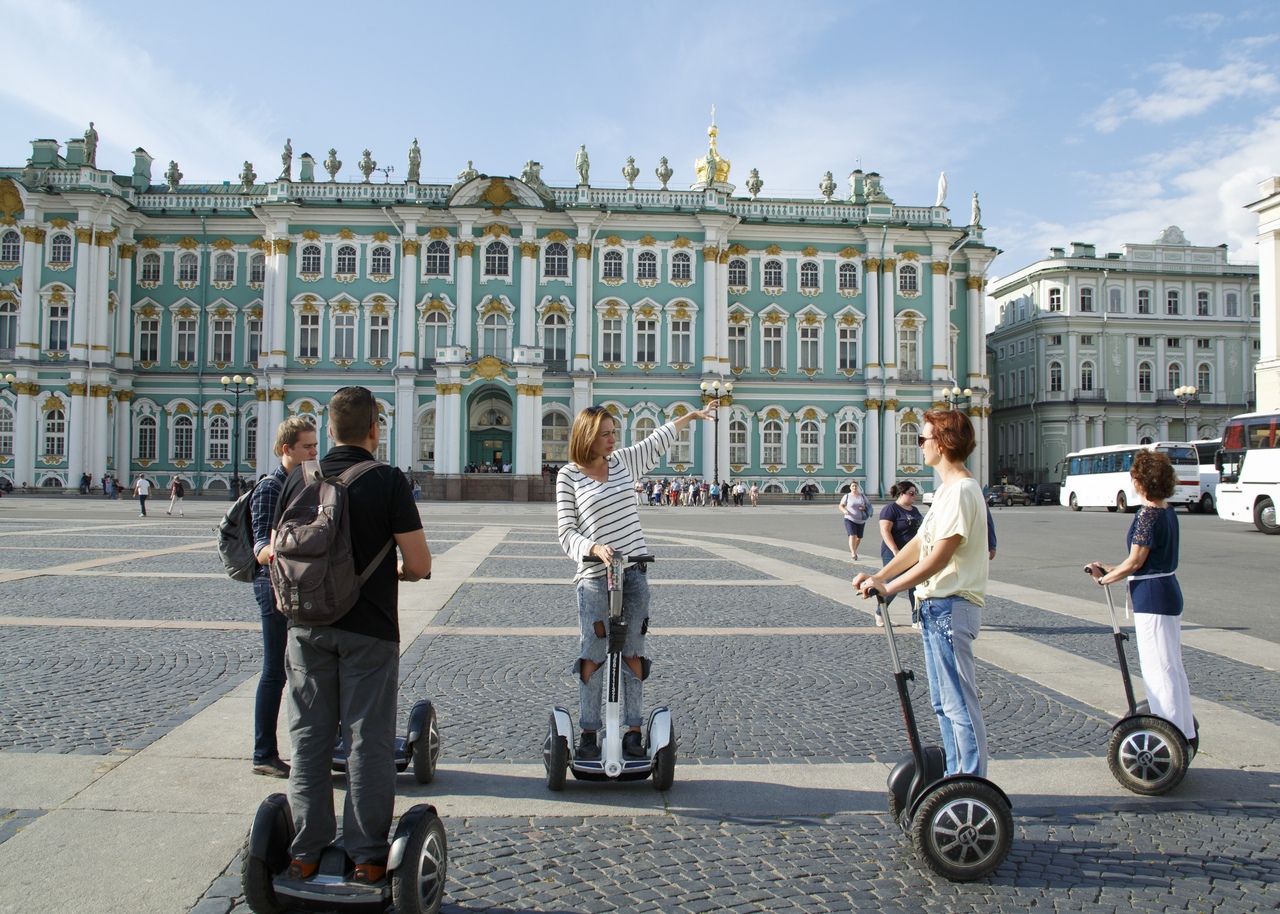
266	706
949	626
593	607
886	556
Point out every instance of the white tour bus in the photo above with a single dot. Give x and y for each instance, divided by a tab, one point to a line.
1249	462
1207	452
1098	477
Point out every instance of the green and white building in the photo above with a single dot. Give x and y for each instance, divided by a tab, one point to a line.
482	314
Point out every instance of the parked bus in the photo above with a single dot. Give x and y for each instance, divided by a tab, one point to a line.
1207	453
1098	477
1249	463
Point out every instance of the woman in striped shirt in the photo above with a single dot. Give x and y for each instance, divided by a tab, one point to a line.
596	515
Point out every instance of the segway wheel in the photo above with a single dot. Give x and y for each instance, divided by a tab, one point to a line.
555	756
417	884
963	830
664	765
1147	755
426	750
266	855
894	809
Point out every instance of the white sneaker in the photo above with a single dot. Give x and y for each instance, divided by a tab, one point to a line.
916	626
879	621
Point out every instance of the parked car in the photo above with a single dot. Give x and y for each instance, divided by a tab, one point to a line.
1008	495
1048	493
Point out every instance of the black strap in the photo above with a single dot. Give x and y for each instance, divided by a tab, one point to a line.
348	477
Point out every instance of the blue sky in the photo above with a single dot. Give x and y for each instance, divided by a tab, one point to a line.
1099	122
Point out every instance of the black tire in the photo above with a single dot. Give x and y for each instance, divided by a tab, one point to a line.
894	809
1147	755
1074	502
417	884
255	882
426	750
1122	503
555	756
1206	504
1264	516
963	830
257	873
664	765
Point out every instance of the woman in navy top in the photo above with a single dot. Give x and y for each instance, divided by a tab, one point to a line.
899	522
1154	593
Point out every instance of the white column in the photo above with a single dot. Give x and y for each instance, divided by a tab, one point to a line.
1162	428
1099	431
123	344
1073	367
710	333
974	462
871	327
889	443
1131	427
1220	369
941	318
99	448
407	311
85	263
124	436
888	328
706	447
871	446
275	313
528	441
275	413
405	436
722	314
29	309
977	337
528	283
1131	368
449	429
465	313
100	313
583	313
77	431
266	433
25	430
1161	377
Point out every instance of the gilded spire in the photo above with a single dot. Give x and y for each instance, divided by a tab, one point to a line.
713	168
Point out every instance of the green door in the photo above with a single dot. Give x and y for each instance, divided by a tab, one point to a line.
490	447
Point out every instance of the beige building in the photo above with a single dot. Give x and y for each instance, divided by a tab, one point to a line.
1267	377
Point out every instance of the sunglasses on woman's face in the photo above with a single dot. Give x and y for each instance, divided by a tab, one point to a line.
921	439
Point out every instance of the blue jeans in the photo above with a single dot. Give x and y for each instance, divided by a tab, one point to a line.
886	556
950	624
266	706
593	607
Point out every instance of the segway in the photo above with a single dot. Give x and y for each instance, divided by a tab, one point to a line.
960	824
416	868
420	746
660	736
1147	754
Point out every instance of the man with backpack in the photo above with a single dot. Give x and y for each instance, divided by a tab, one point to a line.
347	672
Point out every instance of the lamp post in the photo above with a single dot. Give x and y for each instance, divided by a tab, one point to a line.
237	386
953	394
711	390
1185	395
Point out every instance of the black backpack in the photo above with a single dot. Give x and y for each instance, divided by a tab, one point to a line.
235	541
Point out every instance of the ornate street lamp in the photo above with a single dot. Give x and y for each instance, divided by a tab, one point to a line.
712	390
236	385
1185	395
953	394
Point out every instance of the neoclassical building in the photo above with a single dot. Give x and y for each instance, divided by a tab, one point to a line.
483	315
1090	350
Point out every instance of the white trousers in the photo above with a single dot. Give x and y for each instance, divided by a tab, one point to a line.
1163	677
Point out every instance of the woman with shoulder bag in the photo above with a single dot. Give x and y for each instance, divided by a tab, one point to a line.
855	508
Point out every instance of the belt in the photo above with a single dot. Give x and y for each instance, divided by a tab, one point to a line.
1128	590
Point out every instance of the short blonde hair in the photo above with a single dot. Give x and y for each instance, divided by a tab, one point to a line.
288	432
583	435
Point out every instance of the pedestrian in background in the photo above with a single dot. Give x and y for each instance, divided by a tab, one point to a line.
176	493
899	521
142	489
855	508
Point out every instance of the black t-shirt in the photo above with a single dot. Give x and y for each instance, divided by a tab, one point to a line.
380	504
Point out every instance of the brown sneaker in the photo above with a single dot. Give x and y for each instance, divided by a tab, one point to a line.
368	874
273	768
298	870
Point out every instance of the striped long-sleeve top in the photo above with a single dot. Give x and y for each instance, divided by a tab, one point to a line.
590	512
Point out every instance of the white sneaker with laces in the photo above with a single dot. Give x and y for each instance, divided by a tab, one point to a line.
879	622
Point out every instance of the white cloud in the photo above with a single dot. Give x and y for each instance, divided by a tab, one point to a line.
106	76
1199	22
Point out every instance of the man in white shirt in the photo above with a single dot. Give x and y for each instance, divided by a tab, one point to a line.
142	488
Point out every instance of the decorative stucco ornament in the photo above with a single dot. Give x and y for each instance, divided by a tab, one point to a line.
247	175
173	177
333	165
415	162
630	172
367	165
663	171
754	184
828	186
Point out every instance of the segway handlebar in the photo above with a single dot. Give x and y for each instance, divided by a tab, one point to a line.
1111	605
627	559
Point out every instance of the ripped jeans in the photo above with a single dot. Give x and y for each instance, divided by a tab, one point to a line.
950	624
593	607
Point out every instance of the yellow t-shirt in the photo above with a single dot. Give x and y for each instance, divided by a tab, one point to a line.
957	508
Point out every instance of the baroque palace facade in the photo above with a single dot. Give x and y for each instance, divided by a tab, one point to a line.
483	315
1091	351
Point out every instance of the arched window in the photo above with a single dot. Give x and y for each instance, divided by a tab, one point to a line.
427	437
737	272
613	265
737	443
908	278
1086	376
379	346
642	428
184	439
773	274
258	268
1173	302
311	258
10	247
1233	304
848	278
436	261
250	446
59	327
383	453
555	262
1115	301
1144	301
1144	377
908	445
380	261
1055	300
495	336
809	443
346	260
555	438
1175	376
1202	304
224	268
150	267
681	452
908	348
808	275
6	430
219	438
847	445
647	266
1055	376
771	436
55	434
188	268
60	249
8	327
344	335
1204	379
555	337
435	327
497	259
681	267
146	446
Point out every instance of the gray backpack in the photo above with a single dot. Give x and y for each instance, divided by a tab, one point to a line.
313	572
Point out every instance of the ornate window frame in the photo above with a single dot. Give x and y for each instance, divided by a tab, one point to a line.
220	310
773	413
561	411
11	245
433	304
611	309
741	316
147	309
909	319
613	245
146	409
848	319
808	318
441	236
250	313
765	285
182	258
743	263
739	414
818	417
674	457
562	308
814	266
339	274
308	304
851	415
379	306
184	309
342	305
300	261
489	243
547	241
646	310
681	309
59	266
677	255
181	412
143	257
770	317
225	279
495	305
908	273
380	241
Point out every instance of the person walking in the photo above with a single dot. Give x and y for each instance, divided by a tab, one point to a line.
948	565
596	515
295	444
1154	591
142	489
176	493
899	521
345	676
855	508
755	495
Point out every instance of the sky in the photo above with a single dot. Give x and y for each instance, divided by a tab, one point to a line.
1097	122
